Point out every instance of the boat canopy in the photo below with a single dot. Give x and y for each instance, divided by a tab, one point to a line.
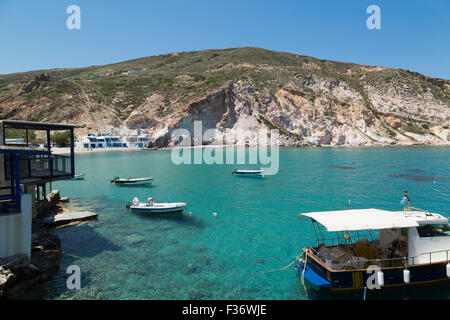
361	219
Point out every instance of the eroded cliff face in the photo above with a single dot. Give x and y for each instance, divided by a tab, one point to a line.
239	91
311	111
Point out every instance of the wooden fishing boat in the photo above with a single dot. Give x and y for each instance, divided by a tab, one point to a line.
376	249
132	181
151	207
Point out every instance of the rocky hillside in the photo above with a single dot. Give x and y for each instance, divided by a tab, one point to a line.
238	90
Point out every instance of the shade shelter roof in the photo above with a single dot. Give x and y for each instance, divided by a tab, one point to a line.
20	124
361	219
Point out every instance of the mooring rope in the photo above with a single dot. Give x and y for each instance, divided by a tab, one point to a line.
303	272
274	270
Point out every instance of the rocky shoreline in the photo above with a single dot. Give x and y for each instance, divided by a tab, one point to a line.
46	252
63	151
45	255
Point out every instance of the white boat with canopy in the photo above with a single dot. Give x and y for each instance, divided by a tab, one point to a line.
361	219
408	247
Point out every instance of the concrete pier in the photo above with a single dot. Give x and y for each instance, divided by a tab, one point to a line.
64	218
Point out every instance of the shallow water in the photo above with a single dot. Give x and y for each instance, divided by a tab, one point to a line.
257	229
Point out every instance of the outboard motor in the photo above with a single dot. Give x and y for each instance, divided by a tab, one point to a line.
150	202
134	203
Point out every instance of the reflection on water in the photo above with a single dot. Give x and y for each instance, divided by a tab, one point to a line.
202	256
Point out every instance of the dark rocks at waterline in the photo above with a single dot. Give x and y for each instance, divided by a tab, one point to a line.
7	278
419	178
48	206
45	255
413	170
343	167
19	274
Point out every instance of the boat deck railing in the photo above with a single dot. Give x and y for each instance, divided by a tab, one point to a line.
423	258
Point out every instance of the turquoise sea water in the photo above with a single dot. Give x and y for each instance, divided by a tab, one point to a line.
129	256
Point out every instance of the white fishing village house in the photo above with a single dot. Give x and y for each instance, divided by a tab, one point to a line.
102	141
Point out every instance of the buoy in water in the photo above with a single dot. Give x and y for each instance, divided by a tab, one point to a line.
190	213
215	214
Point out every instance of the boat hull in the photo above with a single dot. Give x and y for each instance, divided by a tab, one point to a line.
258	174
173	209
355	280
132	182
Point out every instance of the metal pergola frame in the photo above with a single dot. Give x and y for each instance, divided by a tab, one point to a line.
345	239
15	152
14	187
41	126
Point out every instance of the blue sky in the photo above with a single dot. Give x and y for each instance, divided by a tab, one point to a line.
414	34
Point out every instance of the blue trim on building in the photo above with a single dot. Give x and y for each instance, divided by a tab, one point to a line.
12	199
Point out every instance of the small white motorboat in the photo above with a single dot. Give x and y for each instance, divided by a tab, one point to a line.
151	207
249	173
132	181
79	176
